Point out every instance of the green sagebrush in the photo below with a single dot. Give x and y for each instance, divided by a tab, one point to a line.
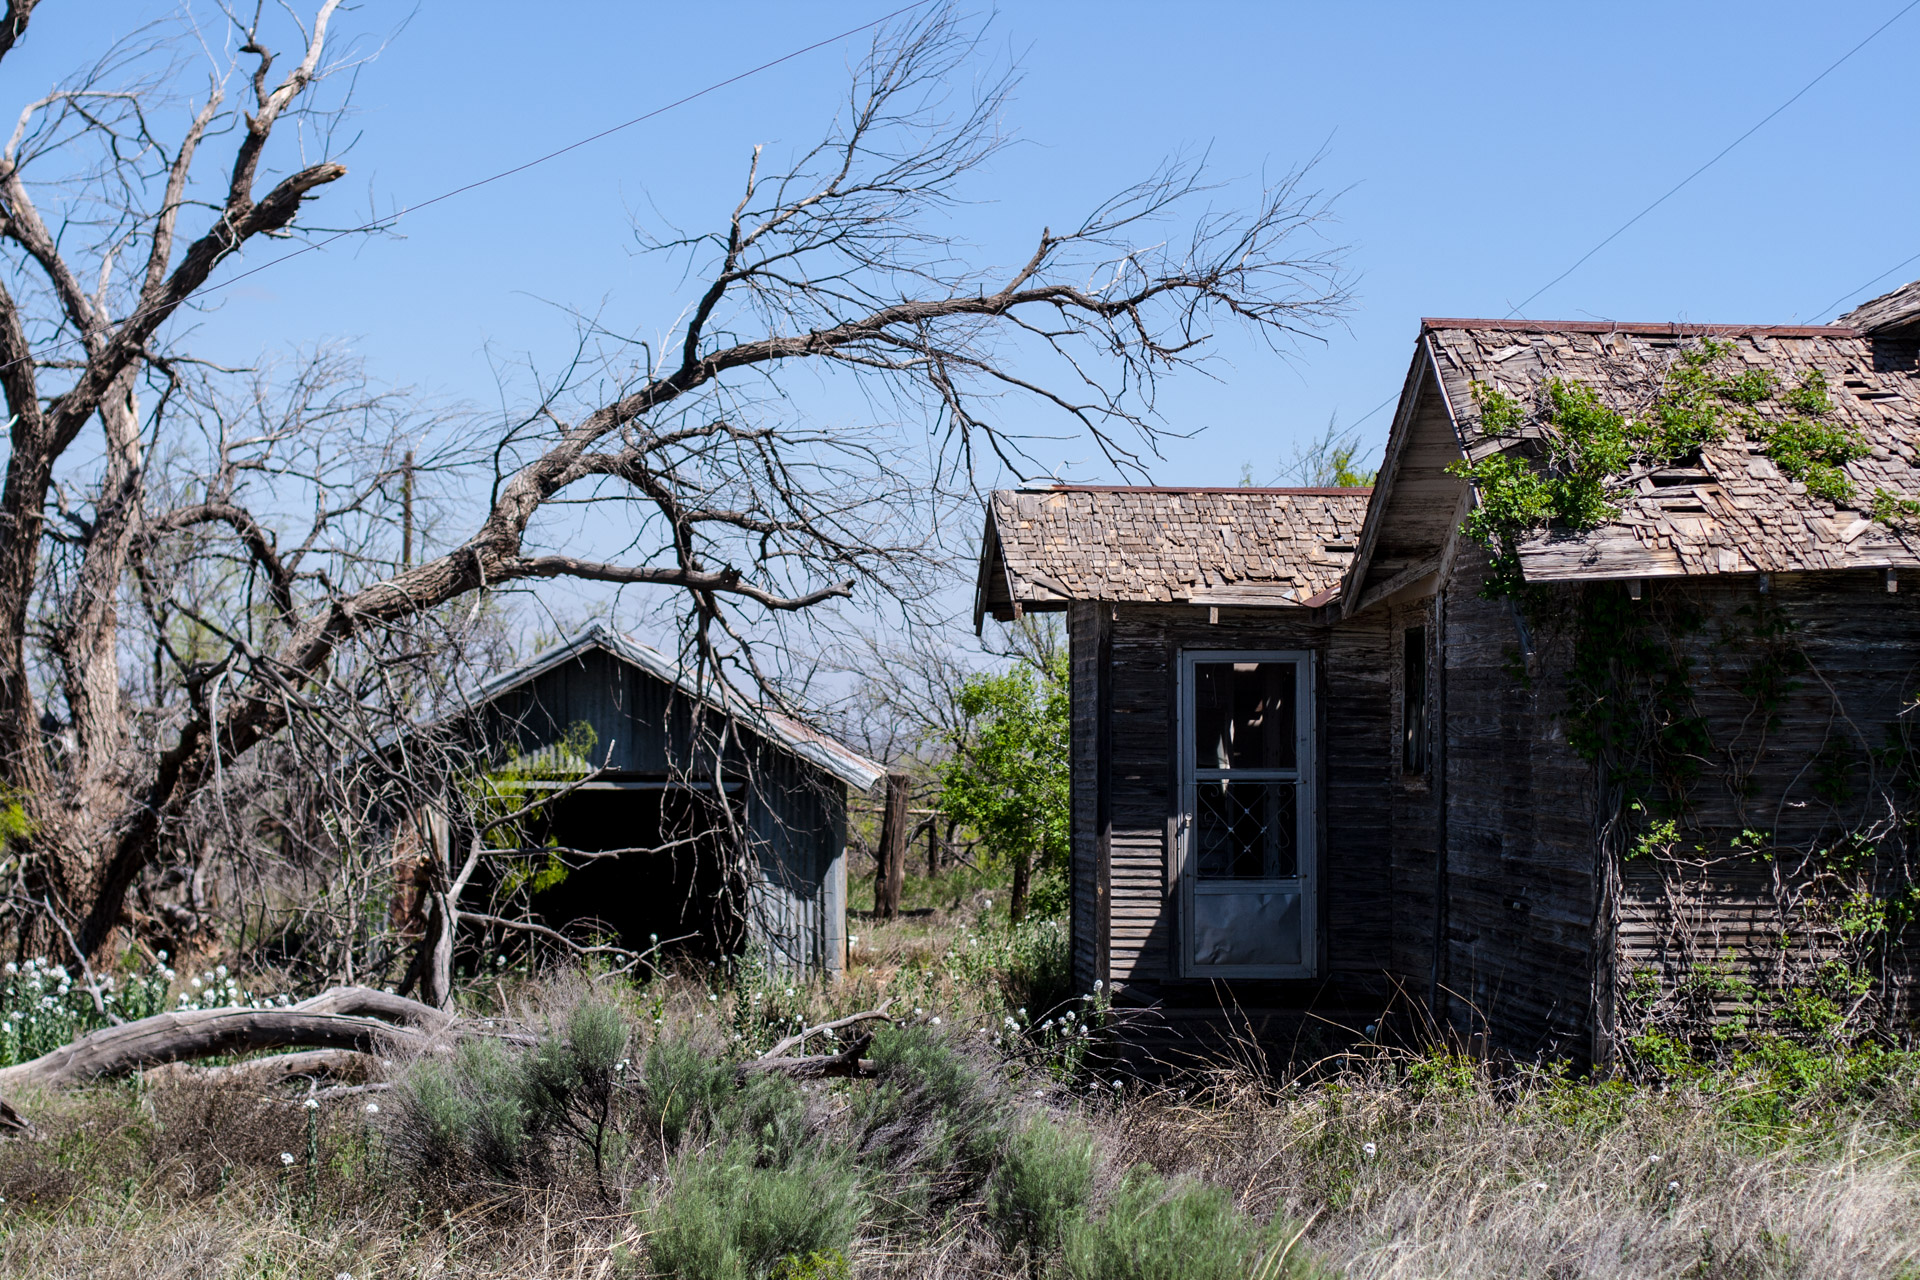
727	1217
1042	1186
1180	1230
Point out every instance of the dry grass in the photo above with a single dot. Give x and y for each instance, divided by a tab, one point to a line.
1469	1174
1488	1180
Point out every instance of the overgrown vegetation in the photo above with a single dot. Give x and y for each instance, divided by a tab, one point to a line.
609	1131
1006	775
1577	454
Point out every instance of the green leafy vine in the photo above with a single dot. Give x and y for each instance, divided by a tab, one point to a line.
1569	471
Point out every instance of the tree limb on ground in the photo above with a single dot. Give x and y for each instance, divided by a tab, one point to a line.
339	1028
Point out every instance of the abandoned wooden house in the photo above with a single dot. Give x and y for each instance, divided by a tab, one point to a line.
727	822
1592	720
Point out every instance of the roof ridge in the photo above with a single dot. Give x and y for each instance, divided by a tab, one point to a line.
1676	328
1309	491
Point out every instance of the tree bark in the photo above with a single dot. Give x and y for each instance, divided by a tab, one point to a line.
891	872
353	1018
1022	881
177	1037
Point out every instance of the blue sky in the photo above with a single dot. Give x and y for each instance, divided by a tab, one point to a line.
1479	150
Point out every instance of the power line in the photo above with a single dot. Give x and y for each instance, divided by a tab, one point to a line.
1834	305
381	224
1721	154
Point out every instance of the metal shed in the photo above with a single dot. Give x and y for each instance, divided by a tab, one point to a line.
719	819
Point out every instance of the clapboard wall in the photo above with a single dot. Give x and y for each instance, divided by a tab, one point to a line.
1126	918
1521	848
1844	654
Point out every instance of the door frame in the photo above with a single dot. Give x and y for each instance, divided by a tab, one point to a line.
1307	816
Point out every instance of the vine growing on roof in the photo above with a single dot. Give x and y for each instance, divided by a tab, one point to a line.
1686	814
1578	457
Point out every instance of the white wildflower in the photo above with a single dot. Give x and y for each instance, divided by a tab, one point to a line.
936	1022
286	1157
1098	985
1673	1187
12	967
1539	1186
1653	1159
712	999
373	1108
219	971
1369	1150
312	1104
194	983
161	956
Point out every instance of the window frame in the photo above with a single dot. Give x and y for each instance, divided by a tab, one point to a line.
1304	775
1410	660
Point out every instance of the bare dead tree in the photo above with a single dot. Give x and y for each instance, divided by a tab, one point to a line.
735	503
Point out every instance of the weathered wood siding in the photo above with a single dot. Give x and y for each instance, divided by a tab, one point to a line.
1088	640
1820	769
1138	750
1520	867
1412	800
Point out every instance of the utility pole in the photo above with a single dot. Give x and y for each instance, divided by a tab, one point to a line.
406	512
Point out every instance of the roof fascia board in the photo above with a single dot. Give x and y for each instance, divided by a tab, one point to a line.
989	551
1389	470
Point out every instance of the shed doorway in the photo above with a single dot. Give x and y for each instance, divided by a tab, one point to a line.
669	873
1244	841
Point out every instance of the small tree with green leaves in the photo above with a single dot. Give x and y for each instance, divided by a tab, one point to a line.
1006	777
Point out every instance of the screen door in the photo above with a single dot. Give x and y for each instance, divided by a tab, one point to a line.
1246	823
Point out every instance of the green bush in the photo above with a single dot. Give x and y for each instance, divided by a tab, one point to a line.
487	1108
931	1121
1042	1185
1031	963
683	1088
768	1116
1183	1230
726	1217
468	1111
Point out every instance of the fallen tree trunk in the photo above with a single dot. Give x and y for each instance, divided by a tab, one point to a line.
260	1073
847	1062
341	1026
356	1019
178	1037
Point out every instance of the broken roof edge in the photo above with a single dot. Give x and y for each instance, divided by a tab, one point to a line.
1323	491
1677	329
783	730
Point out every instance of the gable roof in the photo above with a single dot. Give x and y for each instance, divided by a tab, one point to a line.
1735	512
1896	312
809	744
1145	544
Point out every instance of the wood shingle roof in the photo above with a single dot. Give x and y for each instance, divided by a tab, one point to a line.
1734	512
1239	546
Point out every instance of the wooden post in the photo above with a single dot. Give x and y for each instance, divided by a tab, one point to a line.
892	865
933	846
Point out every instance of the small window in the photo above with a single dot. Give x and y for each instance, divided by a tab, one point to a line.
1415	741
